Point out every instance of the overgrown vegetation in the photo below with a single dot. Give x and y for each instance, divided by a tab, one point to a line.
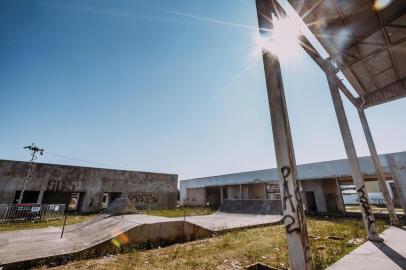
71	219
234	250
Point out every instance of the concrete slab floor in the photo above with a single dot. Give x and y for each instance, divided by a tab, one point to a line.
391	254
16	246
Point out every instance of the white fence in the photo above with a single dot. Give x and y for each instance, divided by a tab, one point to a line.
23	212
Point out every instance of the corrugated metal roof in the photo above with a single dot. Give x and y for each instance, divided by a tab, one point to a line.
368	44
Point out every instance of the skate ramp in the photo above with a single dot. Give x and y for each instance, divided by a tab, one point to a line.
107	234
254	207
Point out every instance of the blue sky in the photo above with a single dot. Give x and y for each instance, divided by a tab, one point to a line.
149	85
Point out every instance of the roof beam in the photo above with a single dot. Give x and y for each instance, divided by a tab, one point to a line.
324	65
383	48
388	93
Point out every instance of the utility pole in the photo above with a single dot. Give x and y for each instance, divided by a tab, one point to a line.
34	149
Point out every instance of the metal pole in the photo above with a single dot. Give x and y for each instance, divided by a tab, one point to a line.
64	222
367	214
378	168
293	215
34	150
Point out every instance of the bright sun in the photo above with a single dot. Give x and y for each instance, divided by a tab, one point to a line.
283	40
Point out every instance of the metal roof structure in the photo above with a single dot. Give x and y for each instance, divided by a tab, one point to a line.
368	43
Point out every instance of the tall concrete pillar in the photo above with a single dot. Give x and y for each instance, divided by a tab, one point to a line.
397	166
221	195
241	192
293	214
340	196
367	214
378	168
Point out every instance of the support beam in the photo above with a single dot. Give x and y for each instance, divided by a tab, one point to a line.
340	196
240	191
40	196
221	195
293	215
378	168
367	215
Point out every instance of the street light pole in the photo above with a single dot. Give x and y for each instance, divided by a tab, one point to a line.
34	149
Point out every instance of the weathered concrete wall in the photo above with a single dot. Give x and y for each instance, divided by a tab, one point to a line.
195	197
154	190
256	191
233	192
332	197
397	163
317	188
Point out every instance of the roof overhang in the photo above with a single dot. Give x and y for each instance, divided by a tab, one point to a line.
367	44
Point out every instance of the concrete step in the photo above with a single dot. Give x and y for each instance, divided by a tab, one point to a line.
255	207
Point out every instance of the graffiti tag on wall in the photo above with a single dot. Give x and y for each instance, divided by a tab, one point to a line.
142	198
61	185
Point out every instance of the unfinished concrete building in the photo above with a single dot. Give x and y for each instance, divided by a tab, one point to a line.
85	189
321	184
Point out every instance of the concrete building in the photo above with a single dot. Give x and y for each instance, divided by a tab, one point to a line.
320	182
85	189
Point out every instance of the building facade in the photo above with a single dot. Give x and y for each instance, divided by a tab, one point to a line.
321	184
85	189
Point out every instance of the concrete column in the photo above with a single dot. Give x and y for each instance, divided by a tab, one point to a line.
240	191
340	195
399	177
221	195
265	193
378	168
40	196
293	214
367	214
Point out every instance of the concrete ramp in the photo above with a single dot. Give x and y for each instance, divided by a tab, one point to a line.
106	234
254	207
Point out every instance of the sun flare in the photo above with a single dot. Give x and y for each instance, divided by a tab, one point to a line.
283	40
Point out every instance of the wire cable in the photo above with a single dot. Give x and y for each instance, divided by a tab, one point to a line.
90	162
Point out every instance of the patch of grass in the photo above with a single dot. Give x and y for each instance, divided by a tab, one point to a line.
180	212
237	249
43	224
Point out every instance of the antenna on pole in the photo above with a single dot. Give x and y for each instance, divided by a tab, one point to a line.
34	149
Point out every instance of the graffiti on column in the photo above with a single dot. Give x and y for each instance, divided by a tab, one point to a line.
142	198
294	223
363	200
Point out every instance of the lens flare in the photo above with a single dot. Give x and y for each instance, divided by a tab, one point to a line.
121	239
283	40
381	4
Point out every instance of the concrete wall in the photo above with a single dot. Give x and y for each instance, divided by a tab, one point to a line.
317	188
154	190
397	165
332	194
233	192
256	191
195	197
